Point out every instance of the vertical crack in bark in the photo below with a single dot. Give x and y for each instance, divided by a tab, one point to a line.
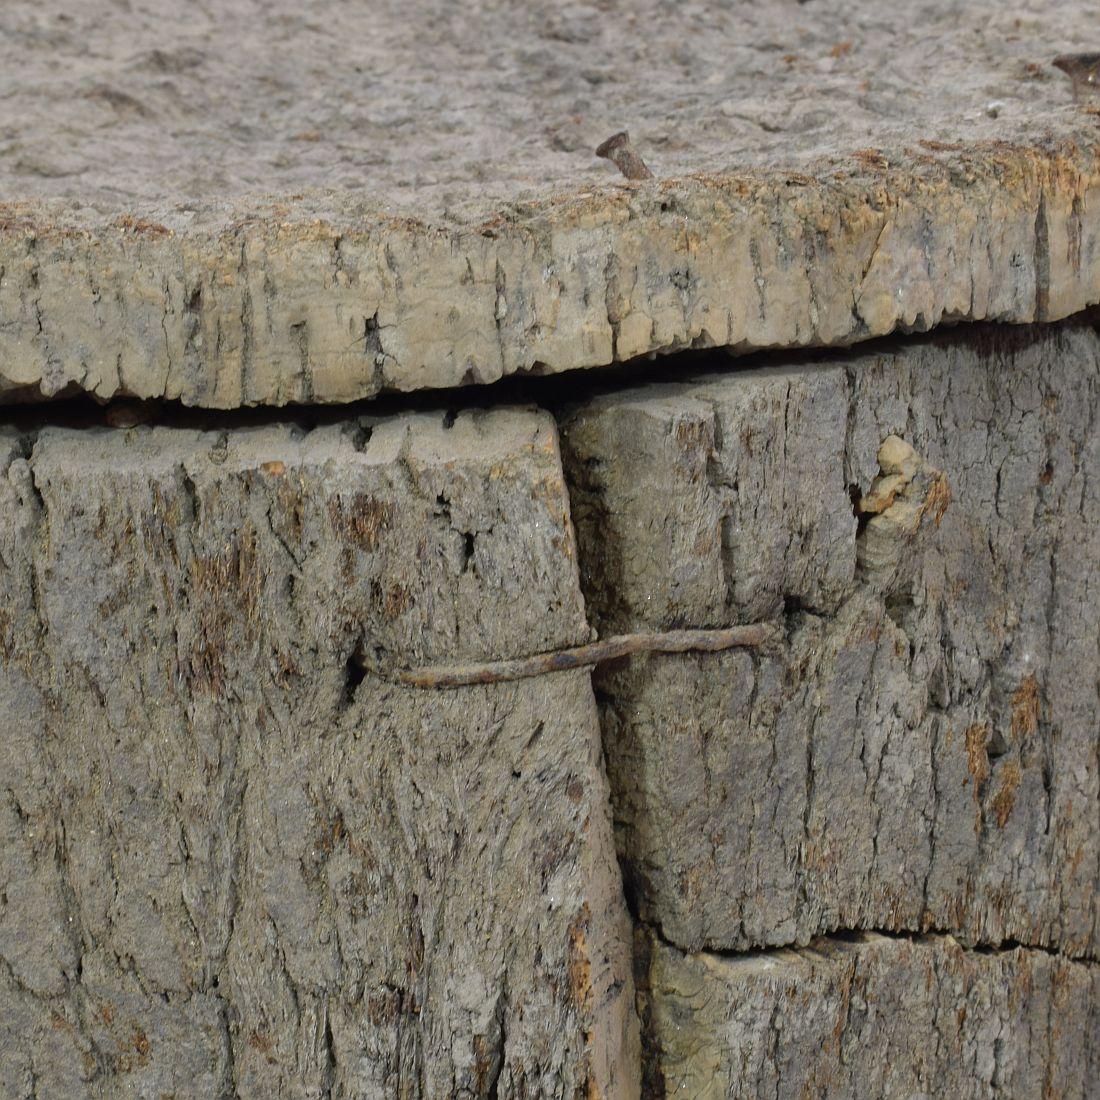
903	610
1042	259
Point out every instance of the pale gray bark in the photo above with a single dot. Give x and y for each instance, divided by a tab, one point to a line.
234	860
923	750
237	858
874	1016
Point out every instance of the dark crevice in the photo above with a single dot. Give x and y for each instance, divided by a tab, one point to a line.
32	486
793	606
329	1051
191	496
899	609
555	392
1042	261
855	494
497	1067
633	889
996	746
653	1083
355	672
795	611
372	338
228	1088
863	935
360	435
25	444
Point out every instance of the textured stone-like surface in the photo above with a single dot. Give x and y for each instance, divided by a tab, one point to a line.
419	105
874	1016
922	751
235	860
278	202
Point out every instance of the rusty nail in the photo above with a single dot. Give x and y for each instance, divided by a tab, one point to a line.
620	152
1084	70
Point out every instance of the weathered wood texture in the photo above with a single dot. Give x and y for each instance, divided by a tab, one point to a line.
923	752
273	203
236	858
874	1016
235	862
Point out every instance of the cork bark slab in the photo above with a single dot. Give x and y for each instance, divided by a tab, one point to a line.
290	204
921	751
235	858
874	1016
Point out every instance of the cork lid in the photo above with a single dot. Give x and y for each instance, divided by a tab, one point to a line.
263	203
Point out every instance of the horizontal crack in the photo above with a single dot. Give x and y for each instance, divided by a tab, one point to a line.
23	406
584	656
865	935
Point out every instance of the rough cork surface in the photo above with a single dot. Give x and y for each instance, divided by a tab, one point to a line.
238	860
872	1015
234	859
921	752
270	203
